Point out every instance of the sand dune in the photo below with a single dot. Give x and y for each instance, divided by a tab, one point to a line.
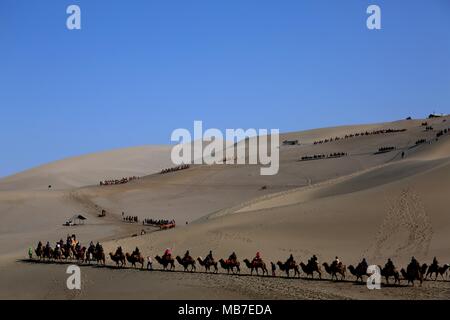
363	204
91	169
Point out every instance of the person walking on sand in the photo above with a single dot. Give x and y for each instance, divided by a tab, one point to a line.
149	263
274	268
30	253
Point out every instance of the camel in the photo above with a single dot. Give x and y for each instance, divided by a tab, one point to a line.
359	272
186	262
436	269
309	269
208	264
80	255
57	254
334	270
67	252
94	255
166	262
39	252
119	259
230	265
286	267
133	259
413	272
47	253
390	271
256	265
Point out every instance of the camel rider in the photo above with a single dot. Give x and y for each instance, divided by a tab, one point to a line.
74	240
389	264
257	258
209	256
39	244
290	260
98	247
47	246
78	247
232	257
167	254
187	255
136	252
336	262
313	260
435	262
364	264
119	251
414	262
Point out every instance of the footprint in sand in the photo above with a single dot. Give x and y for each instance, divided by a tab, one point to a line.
406	230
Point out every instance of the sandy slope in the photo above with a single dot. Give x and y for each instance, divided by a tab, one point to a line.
376	206
91	169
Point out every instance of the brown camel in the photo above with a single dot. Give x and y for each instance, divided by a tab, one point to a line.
95	255
133	259
47	254
39	252
413	272
334	269
256	265
80	255
287	266
57	254
359	272
208	264
230	266
310	268
186	262
165	262
119	259
438	270
390	271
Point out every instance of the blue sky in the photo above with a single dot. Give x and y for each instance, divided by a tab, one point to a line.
140	69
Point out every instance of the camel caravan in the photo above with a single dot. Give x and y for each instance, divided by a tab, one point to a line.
174	169
360	134
118	181
335	271
324	156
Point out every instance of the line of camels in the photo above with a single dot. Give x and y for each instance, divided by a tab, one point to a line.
337	271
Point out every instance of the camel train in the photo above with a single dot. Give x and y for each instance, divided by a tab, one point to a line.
336	270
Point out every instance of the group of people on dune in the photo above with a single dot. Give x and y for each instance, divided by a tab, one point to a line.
157	222
366	133
71	249
118	181
132	219
177	168
324	156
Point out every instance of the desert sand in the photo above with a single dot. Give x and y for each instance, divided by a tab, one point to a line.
376	206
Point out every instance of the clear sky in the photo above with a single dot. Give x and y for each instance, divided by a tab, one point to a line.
140	69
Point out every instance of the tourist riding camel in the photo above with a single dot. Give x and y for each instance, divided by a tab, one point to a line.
136	252
167	255
336	262
389	270
232	258
257	259
290	260
209	258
